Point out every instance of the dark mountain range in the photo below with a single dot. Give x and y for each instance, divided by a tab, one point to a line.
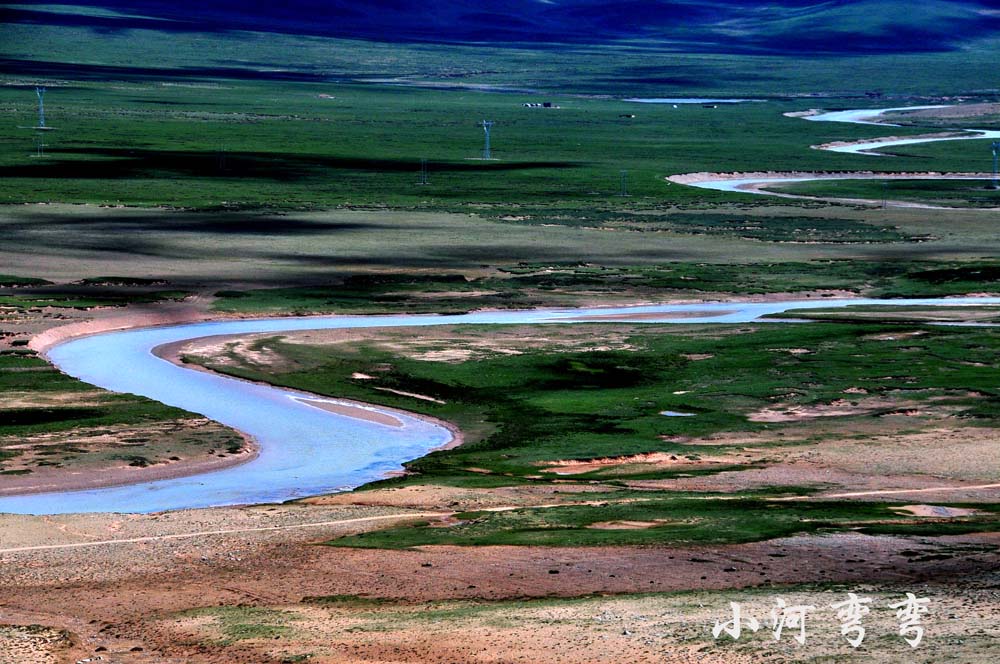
724	26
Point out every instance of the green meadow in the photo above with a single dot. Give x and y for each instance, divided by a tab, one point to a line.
231	144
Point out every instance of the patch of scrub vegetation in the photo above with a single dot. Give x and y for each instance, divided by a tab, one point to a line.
677	519
70	297
233	624
34	293
879	279
121	281
565	284
944	193
345	600
763	228
10	281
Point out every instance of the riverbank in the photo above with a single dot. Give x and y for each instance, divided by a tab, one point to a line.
100	321
759	182
82	478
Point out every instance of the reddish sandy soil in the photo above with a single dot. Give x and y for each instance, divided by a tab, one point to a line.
120	596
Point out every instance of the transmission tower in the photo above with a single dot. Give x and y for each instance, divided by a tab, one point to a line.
39	148
40	91
996	159
423	171
623	189
487	126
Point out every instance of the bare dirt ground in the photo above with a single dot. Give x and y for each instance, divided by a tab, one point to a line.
220	585
91	457
893	457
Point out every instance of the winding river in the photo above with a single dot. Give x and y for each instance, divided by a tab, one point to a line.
306	450
750	185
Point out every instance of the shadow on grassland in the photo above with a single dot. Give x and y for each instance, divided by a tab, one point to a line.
103	230
95	72
115	163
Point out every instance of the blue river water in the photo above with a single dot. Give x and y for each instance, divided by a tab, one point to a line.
304	450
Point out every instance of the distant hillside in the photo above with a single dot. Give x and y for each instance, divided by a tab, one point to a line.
720	26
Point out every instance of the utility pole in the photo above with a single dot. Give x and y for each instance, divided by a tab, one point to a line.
487	126
40	91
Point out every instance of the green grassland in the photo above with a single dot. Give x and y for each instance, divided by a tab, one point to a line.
62	298
20	294
523	412
252	120
279	145
686	520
